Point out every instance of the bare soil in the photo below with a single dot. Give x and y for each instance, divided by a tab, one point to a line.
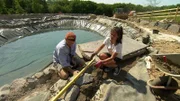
165	47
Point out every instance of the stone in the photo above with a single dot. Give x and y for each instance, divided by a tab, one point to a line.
44	78
31	83
4	92
81	97
58	85
163	25
155	31
72	93
46	71
18	85
152	24
146	38
174	28
39	74
5	87
152	51
85	79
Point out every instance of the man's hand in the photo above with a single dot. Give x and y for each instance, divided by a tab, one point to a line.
74	62
75	72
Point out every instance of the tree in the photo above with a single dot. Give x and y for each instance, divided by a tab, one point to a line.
39	6
18	8
3	9
26	5
153	3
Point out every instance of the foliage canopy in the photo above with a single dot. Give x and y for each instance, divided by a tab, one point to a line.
69	6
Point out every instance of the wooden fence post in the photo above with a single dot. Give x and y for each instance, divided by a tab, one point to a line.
176	13
151	15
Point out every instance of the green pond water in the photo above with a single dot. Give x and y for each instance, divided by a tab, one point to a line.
31	54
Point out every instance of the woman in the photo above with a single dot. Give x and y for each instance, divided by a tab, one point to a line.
114	54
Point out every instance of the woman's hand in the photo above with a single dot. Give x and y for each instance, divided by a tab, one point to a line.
98	64
93	55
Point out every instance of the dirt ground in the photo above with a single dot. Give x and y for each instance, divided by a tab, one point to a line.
88	91
167	46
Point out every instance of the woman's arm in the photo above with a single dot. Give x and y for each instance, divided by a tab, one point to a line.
97	51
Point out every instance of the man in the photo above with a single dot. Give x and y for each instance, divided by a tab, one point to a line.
63	56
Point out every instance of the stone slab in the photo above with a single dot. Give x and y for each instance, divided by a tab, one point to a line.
131	47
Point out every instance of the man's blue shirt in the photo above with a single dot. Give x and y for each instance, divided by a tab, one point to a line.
63	53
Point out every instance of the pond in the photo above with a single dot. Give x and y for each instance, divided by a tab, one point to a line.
31	54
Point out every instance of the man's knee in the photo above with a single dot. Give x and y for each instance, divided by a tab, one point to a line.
63	75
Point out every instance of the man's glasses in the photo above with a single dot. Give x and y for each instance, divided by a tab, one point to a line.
72	39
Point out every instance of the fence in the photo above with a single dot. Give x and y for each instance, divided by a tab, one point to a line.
167	13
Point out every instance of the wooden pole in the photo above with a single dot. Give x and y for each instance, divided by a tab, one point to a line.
176	13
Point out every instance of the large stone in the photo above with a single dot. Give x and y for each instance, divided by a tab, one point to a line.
72	93
58	86
82	97
5	87
39	74
46	71
44	78
18	85
174	28
163	25
31	83
85	79
4	92
152	24
145	38
134	89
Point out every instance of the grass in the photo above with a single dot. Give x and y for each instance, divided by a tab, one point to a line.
175	20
